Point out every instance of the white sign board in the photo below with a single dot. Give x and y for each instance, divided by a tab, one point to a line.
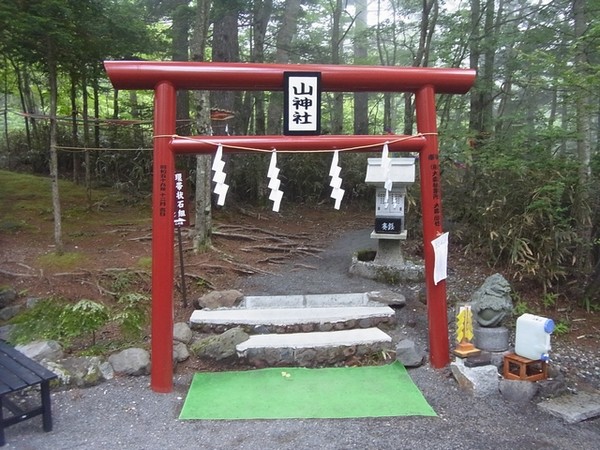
302	103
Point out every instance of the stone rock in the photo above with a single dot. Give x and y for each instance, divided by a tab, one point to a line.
32	301
408	272
7	296
131	361
82	371
387	297
182	332
553	386
9	312
180	352
260	329
42	350
492	302
480	381
220	299
220	346
107	370
305	357
5	331
573	408
408	355
518	391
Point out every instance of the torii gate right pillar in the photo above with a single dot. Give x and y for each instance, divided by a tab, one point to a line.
431	208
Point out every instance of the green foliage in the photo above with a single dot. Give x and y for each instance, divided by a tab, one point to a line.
59	320
122	282
40	322
144	262
549	300
523	225
84	317
561	328
9	225
520	307
133	315
63	261
305	177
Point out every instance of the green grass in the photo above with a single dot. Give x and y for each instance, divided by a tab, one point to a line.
144	262
65	261
26	206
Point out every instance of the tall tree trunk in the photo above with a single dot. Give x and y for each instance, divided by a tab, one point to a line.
138	137
584	147
86	139
5	117
474	54
203	223
361	99
285	34
225	48
52	75
490	31
96	93
262	14
337	116
387	57
182	19
429	14
22	96
74	131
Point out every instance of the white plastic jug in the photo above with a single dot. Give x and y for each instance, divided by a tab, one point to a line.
532	338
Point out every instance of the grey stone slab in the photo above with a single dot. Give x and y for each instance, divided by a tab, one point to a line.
518	391
287	316
573	408
335	300
480	381
273	301
309	300
315	340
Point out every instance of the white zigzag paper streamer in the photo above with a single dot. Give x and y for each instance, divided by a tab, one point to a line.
276	195
219	178
337	192
386	165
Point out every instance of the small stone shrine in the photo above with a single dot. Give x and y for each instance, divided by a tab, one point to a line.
390	183
391	177
491	304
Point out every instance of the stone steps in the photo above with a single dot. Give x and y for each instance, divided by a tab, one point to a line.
291	320
302	330
311	349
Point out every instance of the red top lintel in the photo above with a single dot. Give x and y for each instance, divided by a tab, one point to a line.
269	77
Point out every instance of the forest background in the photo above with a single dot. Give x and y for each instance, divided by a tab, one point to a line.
520	153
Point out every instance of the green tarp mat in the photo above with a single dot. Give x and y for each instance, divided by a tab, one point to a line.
302	393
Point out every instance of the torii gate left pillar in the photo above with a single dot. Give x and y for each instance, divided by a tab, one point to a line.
166	77
163	205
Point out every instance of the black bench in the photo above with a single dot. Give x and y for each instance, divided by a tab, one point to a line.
17	372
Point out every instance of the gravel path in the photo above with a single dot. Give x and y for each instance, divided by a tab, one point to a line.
125	413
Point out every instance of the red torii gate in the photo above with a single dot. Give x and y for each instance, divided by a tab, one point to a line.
165	78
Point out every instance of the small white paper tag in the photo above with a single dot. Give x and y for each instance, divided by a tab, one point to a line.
219	177
440	250
337	193
274	183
